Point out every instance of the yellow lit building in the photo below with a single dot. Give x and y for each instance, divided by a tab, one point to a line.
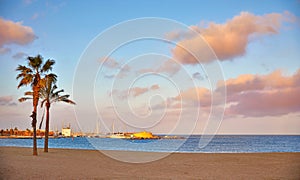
143	135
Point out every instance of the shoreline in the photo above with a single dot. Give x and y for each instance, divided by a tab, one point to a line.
18	163
166	152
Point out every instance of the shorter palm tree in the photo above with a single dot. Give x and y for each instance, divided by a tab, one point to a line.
49	94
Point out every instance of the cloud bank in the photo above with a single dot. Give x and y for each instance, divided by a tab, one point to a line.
251	95
267	95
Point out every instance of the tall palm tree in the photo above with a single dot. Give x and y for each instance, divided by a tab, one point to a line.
32	74
49	95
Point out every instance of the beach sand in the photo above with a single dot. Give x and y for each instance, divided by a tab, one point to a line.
18	163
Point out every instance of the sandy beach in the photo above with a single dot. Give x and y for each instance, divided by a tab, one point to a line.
18	163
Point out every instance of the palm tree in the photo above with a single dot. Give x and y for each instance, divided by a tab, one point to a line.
32	74
49	95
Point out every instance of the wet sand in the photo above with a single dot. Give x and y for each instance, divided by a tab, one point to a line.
18	163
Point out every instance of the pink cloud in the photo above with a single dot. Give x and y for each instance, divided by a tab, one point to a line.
15	33
195	95
118	93
248	95
146	70
134	92
124	70
112	63
7	100
109	62
154	87
267	95
228	40
137	91
249	82
170	67
266	103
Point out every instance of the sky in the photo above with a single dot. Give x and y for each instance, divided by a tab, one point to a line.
172	67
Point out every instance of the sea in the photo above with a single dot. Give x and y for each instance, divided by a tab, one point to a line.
187	144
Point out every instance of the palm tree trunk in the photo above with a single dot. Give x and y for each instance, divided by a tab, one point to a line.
34	114
33	123
47	127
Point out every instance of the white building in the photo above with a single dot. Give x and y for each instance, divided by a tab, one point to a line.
66	132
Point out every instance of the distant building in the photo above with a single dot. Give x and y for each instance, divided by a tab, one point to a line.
66	132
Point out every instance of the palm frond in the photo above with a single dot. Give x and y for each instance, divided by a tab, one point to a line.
21	68
56	94
53	89
24	99
20	75
28	93
48	65
68	101
23	71
66	96
49	94
60	98
51	78
43	93
35	62
28	79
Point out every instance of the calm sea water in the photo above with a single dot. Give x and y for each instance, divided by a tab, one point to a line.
219	144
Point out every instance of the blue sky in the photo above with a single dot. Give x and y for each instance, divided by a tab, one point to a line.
64	29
